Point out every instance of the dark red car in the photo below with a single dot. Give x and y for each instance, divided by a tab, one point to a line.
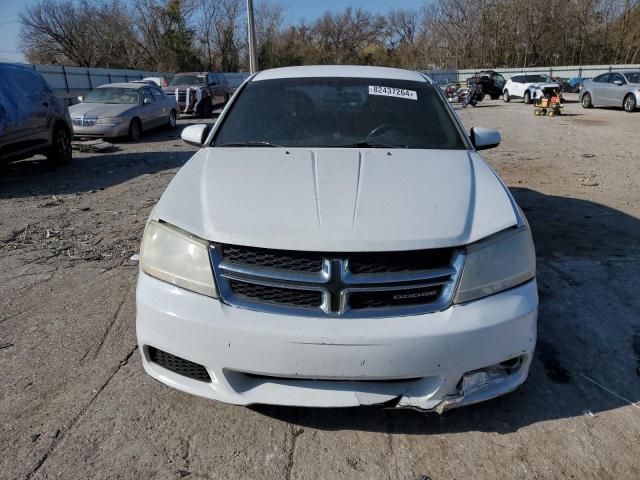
199	93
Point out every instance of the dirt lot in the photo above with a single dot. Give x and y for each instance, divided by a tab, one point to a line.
75	403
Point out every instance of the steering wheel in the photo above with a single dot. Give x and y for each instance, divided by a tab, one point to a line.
380	129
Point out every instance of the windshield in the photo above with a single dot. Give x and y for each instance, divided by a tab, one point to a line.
113	95
186	80
537	78
633	77
340	112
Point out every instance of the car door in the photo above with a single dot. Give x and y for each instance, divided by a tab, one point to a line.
164	107
33	110
499	81
615	89
216	89
598	93
13	132
149	110
517	86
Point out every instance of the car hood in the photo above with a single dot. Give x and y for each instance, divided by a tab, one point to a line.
337	199
99	109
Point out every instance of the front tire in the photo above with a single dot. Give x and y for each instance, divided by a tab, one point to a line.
506	97
586	101
527	97
60	151
172	119
135	129
630	103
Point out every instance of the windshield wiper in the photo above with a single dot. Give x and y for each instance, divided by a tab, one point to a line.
366	144
248	144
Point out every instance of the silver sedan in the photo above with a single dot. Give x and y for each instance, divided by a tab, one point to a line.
121	109
612	89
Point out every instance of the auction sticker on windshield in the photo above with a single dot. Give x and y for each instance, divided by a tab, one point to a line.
393	92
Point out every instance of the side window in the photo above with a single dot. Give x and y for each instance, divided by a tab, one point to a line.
499	79
213	79
157	93
604	78
27	81
616	77
146	96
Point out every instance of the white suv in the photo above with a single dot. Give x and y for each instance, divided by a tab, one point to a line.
338	241
528	87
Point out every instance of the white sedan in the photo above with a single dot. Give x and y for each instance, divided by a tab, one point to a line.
338	241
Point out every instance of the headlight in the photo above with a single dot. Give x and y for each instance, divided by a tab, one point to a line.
109	121
500	262
174	256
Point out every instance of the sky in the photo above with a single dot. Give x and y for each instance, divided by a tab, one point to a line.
295	9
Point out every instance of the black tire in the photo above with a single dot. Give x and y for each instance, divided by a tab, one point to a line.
60	151
173	116
206	108
505	96
135	129
629	104
527	97
586	101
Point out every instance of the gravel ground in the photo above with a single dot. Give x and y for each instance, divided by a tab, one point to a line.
75	403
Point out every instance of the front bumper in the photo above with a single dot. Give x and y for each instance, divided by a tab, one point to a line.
119	130
413	361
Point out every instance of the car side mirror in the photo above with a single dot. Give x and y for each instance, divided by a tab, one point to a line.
196	134
146	101
618	82
81	99
484	138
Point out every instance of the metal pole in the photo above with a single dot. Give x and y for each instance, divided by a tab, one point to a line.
253	62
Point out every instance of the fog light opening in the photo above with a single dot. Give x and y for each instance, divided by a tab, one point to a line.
489	376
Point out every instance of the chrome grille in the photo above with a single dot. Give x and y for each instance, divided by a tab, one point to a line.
282	259
336	284
277	295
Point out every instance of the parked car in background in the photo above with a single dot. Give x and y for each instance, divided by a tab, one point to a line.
33	120
235	80
120	109
199	93
158	81
338	241
613	89
529	87
575	84
492	83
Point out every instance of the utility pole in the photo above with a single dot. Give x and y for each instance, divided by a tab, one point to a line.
253	61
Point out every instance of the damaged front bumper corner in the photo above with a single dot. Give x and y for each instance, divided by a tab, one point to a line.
476	386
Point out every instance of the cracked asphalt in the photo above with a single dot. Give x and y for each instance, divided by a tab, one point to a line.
75	402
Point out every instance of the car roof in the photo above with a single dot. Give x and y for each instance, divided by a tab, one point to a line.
137	84
348	71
